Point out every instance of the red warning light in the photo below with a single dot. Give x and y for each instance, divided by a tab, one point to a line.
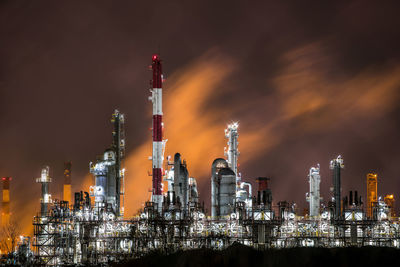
155	56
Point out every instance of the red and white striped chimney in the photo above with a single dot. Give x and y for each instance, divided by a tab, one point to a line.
157	158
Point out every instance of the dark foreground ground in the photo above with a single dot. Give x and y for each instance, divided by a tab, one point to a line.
238	255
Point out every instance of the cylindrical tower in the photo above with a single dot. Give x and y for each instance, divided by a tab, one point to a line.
5	215
336	165
118	146
314	196
181	180
232	152
45	200
100	171
157	157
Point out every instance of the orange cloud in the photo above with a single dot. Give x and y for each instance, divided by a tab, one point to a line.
304	93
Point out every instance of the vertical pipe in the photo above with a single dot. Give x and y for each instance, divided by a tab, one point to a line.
351	198
337	187
213	197
177	175
356	198
185	185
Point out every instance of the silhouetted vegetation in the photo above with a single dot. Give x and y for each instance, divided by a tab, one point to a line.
239	255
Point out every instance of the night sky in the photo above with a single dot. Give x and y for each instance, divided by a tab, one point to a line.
307	81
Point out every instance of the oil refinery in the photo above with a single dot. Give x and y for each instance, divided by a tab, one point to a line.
91	228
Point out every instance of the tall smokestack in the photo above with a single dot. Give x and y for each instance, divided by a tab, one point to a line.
336	165
67	182
5	215
45	200
158	144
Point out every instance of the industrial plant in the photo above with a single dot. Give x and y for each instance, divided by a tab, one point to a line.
90	228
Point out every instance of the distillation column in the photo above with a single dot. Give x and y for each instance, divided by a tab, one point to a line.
314	195
118	145
372	192
181	181
157	157
5	214
336	165
67	182
109	176
232	152
45	200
